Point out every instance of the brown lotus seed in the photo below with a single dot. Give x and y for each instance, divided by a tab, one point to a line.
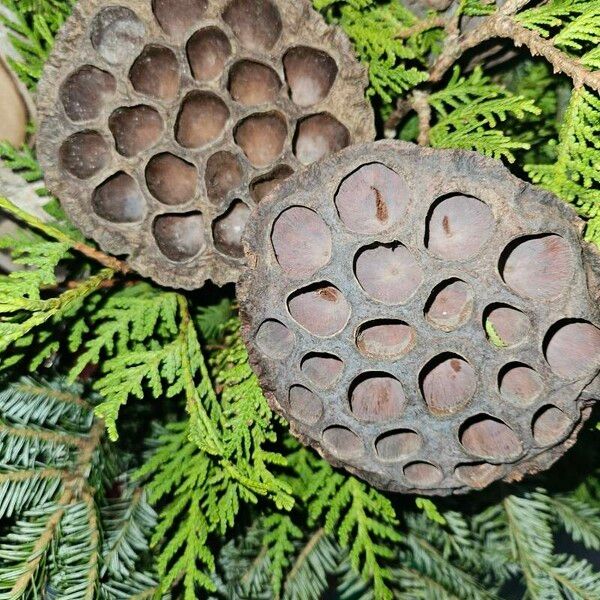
229	228
538	267
262	137
201	119
177	16
388	273
320	309
251	83
301	241
119	200
319	136
377	397
223	174
448	383
573	349
135	129
171	179
208	51
385	339
489	437
310	73
155	73
323	370
180	237
84	154
84	93
396	445
458	227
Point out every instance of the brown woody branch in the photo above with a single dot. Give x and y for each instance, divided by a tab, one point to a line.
502	25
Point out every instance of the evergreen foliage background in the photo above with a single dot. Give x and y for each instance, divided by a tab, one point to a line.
138	456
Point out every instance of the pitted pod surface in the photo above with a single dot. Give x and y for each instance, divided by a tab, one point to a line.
165	122
422	317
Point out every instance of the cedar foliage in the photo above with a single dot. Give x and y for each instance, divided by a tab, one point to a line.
219	501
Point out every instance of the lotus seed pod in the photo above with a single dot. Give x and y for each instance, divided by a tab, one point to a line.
422	317
164	123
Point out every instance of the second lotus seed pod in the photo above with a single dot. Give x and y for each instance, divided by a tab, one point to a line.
164	123
422	317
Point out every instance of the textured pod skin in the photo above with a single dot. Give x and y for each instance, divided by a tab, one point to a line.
394	401
218	84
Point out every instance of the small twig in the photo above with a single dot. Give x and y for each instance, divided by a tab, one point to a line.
403	107
96	255
421	26
423	110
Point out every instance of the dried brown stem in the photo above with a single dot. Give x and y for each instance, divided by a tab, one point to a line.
423	110
502	25
421	26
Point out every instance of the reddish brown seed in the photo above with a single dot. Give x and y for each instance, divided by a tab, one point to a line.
450	305
119	200
385	339
201	120
458	227
423	474
550	425
310	73
448	383
489	437
319	136
171	179
510	325
85	92
256	23
252	83
520	384
117	34
321	309
180	237
477	475
398	444
262	137
223	174
155	73
274	339
228	230
377	397
342	442
176	17
207	52
135	129
301	241
84	154
323	370
372	199
262	186
539	267
573	350
305	405
388	273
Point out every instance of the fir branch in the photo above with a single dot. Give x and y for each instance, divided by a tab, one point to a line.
573	174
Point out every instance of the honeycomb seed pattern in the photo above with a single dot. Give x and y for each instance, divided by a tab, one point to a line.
422	317
165	122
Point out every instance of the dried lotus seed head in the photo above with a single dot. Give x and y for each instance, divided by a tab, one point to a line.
431	337
164	123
